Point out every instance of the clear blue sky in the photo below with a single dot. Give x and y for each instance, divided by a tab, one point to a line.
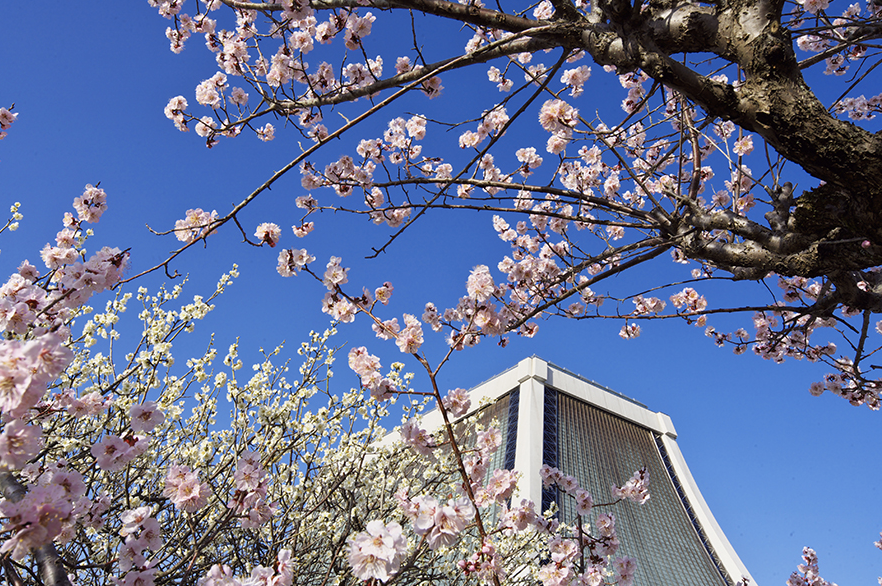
779	468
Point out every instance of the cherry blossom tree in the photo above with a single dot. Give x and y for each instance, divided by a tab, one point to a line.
119	467
126	466
724	155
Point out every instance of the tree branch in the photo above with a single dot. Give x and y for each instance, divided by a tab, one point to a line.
49	563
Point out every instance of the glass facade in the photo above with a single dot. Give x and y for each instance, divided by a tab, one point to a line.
548	415
602	450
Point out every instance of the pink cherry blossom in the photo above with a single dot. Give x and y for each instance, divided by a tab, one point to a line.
111	453
636	489
183	488
480	285
269	233
19	442
377	552
625	568
417	437
145	416
457	402
410	338
195	225
7	118
91	204
335	274
629	331
266	132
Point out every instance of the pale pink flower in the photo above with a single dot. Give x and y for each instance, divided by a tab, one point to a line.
377	552
306	202
568	483
403	65
457	402
145	416
416	127
292	260
207	94
557	116
110	453
636	489
606	524
28	271
91	204
530	160
141	578
184	489
489	440
133	519
205	126
195	225
249	475
335	274
303	229
584	502
219	575
520	517
432	87
130	554
557	143
629	331
238	96
6	118
502	484
625	568
19	442
575	79
269	233
285	568
363	363
544	11
417	437
814	6
35	520
549	475
384	293
562	550
447	522
174	111
266	133
744	145
410	338
388	329
480	285
555	575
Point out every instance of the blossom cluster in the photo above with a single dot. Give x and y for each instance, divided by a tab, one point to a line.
250	482
377	551
807	572
440	524
7	117
49	511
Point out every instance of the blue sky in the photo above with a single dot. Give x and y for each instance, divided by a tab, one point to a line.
780	469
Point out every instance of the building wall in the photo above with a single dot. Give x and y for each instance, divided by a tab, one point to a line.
602	437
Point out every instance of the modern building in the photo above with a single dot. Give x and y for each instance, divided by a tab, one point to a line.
548	415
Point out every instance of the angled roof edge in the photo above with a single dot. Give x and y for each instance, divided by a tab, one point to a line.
566	382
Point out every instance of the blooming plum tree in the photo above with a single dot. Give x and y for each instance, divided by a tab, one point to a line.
118	468
131	468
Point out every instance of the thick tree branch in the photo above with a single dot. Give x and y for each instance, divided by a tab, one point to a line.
49	563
